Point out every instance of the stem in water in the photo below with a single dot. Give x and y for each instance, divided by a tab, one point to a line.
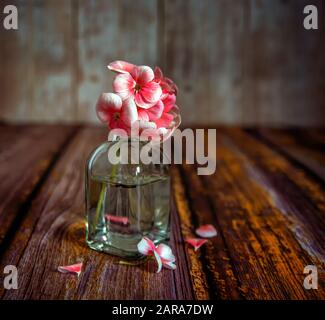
100	206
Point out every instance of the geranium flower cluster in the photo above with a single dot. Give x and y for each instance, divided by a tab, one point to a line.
142	97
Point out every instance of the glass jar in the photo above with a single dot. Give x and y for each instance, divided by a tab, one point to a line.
125	201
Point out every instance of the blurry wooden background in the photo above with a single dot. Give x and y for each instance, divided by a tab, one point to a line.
236	62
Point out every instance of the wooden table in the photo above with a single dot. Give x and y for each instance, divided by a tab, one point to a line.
266	199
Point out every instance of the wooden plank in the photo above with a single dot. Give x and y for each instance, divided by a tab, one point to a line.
214	264
286	206
198	278
54	232
26	153
300	145
255	255
111	30
268	211
314	137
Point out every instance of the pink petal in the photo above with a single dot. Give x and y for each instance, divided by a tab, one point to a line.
119	124
167	257
164	95
162	253
169	102
156	111
196	243
121	66
143	114
165	120
166	84
124	84
151	92
107	104
165	253
171	126
146	246
159	262
74	268
141	102
170	86
206	231
142	75
129	113
169	265
117	219
158	74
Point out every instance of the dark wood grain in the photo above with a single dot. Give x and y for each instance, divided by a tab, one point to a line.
212	262
26	153
54	232
299	197
266	203
290	204
305	146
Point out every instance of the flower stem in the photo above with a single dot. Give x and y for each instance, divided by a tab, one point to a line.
100	205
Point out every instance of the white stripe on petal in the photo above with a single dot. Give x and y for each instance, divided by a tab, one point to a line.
165	252
146	246
170	265
107	104
124	84
129	112
142	74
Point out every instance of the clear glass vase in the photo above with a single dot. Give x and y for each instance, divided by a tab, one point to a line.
125	202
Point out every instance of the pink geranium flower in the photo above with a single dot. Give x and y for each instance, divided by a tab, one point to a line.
164	127
120	66
170	118
166	84
165	115
138	83
163	253
169	112
151	114
153	94
159	112
116	113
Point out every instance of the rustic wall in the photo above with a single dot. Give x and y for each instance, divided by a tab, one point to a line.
242	62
